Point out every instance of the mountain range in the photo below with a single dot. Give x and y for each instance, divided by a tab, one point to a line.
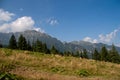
73	46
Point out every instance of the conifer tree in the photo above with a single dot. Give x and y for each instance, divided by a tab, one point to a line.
96	55
104	54
77	54
67	53
12	42
44	48
113	55
54	50
38	46
85	54
81	54
22	44
1	45
29	47
33	46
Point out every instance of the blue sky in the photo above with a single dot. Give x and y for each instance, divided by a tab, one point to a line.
67	20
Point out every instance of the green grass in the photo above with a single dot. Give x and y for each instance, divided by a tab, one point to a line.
40	66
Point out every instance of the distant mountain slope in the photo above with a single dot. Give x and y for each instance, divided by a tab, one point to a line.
91	46
73	46
33	35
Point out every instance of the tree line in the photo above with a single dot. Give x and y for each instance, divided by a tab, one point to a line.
23	44
37	46
108	56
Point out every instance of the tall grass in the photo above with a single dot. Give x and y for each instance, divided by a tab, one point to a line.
34	65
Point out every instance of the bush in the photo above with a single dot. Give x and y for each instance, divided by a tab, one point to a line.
8	76
58	69
4	72
54	69
6	67
82	72
8	52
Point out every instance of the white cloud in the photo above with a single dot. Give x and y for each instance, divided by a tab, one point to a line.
108	37
5	15
52	21
5	28
39	29
20	24
88	39
95	41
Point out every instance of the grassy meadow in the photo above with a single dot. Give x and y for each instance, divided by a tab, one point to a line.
39	66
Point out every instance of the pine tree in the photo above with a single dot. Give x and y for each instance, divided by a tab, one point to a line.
113	55
33	46
44	49
54	50
104	54
29	47
1	45
22	44
85	54
67	53
96	55
77	54
81	54
12	42
38	46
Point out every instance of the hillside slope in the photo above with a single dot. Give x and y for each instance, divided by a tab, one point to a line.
40	66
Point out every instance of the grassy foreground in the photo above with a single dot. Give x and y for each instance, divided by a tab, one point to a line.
39	66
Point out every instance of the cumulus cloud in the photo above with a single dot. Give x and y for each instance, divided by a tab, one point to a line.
52	21
5	28
107	38
88	39
5	15
20	24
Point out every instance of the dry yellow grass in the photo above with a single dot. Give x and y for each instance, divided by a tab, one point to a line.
36	66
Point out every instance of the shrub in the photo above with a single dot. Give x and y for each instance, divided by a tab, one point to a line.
6	67
58	69
4	72
8	52
54	69
8	76
82	72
